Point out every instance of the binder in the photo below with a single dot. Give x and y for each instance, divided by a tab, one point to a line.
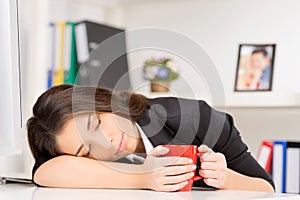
70	63
279	165
67	51
52	54
58	76
293	167
106	66
264	156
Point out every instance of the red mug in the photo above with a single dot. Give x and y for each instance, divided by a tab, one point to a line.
189	151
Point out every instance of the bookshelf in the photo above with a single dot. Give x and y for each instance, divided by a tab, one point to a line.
263	100
247	100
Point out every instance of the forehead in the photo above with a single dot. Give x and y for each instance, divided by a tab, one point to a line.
69	139
80	129
258	54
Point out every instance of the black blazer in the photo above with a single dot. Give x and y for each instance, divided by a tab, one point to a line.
182	121
171	120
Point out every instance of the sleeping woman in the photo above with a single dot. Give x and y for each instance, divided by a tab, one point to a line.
90	137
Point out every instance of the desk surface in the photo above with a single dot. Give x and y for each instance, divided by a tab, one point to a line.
30	192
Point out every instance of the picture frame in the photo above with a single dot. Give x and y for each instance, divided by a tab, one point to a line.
255	67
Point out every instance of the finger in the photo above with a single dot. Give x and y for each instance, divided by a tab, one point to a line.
174	160
178	178
208	173
176	170
213	157
209	157
212	182
209	165
204	149
174	187
154	163
159	151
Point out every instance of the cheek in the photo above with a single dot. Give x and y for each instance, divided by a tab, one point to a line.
111	132
123	124
131	143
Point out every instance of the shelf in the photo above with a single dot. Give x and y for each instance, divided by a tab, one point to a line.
262	99
247	99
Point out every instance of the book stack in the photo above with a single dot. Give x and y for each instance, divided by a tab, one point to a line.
281	159
63	58
88	53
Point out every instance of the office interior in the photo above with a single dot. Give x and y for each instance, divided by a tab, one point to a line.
217	27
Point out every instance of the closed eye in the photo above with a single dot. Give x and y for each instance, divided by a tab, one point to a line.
99	122
89	151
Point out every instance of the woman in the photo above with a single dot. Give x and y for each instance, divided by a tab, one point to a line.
77	132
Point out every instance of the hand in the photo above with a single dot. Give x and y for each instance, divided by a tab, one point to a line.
166	173
213	167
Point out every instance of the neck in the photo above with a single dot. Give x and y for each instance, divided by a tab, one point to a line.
140	148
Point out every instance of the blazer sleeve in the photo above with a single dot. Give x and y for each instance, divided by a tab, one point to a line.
229	143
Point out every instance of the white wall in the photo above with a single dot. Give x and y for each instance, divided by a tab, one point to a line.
257	124
219	27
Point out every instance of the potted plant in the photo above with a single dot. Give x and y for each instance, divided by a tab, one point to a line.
160	71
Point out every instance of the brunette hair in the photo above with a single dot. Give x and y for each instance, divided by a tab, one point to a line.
260	50
58	104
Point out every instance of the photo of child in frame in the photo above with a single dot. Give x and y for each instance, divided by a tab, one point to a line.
255	67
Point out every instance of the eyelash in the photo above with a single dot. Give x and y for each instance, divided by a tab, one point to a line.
89	151
99	122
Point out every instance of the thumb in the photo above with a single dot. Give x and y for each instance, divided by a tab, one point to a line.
204	149
159	151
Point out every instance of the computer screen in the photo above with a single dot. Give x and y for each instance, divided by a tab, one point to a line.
11	130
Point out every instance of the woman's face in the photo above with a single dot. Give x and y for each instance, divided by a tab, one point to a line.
103	136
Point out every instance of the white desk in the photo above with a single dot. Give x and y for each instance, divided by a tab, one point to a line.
30	192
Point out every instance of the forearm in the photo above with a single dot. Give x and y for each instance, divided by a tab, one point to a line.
237	181
74	172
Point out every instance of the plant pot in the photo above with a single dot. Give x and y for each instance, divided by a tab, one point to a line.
160	86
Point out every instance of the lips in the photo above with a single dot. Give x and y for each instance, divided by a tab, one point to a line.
121	146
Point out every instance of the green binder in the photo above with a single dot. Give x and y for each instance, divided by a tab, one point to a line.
71	73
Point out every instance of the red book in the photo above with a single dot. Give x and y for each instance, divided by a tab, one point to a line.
264	156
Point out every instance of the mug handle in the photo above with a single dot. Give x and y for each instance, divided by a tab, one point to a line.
195	178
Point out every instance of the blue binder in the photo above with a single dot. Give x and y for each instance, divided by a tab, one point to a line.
279	165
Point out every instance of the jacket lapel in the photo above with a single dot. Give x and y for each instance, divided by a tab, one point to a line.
155	128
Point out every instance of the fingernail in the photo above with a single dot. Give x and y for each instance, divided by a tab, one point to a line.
192	174
194	167
190	161
185	182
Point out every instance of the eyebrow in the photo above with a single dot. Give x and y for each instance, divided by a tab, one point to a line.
78	150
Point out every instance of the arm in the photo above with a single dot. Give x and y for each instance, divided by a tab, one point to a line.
237	163
157	173
237	181
215	172
79	172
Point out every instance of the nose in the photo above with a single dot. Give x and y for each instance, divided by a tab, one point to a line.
108	137
112	141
